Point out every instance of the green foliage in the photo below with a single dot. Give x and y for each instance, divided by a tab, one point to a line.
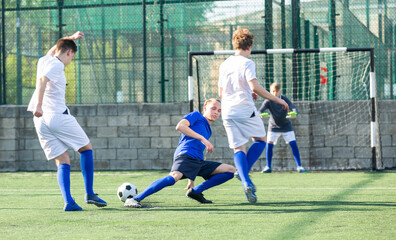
336	205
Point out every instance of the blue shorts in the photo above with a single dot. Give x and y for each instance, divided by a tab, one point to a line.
192	167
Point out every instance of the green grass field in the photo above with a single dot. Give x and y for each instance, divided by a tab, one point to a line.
318	205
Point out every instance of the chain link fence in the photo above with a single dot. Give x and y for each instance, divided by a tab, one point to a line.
136	50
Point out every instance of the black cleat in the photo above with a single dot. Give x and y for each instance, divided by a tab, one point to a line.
94	199
197	196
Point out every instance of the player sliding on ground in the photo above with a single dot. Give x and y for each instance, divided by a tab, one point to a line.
57	130
280	125
238	86
188	161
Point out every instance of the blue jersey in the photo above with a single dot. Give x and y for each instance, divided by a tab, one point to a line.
278	121
191	146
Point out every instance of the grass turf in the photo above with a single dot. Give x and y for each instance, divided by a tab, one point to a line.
318	205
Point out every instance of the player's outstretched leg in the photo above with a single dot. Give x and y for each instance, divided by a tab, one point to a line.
296	155
151	189
241	165
268	155
87	169
63	176
217	179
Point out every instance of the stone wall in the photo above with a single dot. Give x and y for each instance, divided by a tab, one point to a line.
143	136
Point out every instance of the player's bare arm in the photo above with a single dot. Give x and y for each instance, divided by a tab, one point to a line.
184	127
259	90
38	112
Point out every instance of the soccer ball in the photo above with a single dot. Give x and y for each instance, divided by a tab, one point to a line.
126	190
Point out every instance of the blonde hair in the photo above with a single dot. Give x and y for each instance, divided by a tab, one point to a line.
242	39
276	86
210	100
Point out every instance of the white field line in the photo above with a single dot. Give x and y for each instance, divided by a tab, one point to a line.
79	174
222	189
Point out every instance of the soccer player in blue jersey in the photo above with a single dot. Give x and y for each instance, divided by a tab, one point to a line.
238	87
280	125
56	128
188	161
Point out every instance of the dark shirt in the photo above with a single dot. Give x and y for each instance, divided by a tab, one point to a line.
278	121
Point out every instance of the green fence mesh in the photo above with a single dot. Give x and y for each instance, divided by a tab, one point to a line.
121	59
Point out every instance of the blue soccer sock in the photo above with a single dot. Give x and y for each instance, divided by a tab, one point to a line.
268	154
63	176
213	181
296	153
241	165
254	153
155	187
87	169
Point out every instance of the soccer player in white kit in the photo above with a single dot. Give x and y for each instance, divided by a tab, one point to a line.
238	87
57	130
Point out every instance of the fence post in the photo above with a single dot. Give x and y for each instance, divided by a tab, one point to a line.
118	90
269	70
161	22
283	34
144	52
393	63
18	54
296	44
3	53
60	18
306	60
332	68
380	20
317	68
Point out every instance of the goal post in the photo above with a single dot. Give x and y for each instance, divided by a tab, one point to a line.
335	87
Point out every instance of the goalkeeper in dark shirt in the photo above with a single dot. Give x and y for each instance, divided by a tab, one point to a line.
280	125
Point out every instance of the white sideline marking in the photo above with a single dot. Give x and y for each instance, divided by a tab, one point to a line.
222	189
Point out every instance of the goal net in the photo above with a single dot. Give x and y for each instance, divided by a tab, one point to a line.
335	127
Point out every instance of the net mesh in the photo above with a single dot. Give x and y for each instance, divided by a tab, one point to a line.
331	91
111	54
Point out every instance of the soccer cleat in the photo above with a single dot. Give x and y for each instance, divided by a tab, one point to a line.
197	196
301	170
132	203
250	195
266	170
94	199
71	207
253	187
236	175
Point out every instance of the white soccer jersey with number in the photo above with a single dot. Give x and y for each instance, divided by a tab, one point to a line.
234	75
54	95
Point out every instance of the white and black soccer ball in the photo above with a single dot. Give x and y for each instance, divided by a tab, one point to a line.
126	190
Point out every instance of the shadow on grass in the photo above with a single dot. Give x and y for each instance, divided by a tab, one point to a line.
278	207
324	203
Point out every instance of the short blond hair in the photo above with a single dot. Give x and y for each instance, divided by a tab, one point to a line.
277	86
242	39
210	100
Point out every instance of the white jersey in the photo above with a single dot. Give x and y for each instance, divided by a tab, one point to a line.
54	94
234	75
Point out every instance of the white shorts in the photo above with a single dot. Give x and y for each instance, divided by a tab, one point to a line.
288	136
58	132
240	130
